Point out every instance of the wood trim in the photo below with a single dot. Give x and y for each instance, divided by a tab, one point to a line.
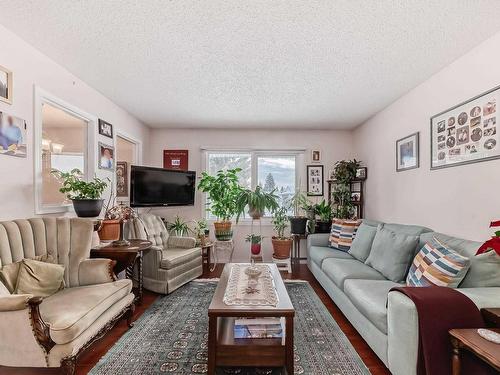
40	329
111	267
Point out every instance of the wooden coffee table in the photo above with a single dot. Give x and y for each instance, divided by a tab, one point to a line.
224	350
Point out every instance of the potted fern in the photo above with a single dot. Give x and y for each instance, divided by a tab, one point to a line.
281	244
255	243
85	195
258	202
223	191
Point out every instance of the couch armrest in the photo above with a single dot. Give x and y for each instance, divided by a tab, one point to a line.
181	242
96	271
318	239
14	302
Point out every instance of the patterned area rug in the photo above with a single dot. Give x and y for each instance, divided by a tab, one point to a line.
171	337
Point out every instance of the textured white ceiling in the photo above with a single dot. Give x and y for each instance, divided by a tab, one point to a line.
260	63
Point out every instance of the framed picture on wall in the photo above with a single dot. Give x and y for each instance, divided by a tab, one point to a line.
315	180
407	153
316	156
5	85
106	156
176	159
15	143
105	128
466	133
121	179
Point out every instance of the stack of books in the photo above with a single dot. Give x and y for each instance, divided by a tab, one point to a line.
259	328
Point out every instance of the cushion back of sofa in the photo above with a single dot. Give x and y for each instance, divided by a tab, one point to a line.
67	240
466	248
149	227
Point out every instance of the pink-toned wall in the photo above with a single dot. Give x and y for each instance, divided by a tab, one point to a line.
460	200
334	145
30	67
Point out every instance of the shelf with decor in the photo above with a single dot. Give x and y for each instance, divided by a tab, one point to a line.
356	188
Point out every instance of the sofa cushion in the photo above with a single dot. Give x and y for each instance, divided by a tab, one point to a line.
370	298
41	279
392	253
171	258
362	243
319	253
342	233
71	311
339	270
484	271
438	265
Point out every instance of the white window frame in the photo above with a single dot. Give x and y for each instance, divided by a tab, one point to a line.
43	97
255	154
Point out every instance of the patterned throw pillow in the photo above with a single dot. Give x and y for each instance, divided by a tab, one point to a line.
438	265
342	233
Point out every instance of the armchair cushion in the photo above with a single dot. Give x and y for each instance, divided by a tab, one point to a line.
8	275
173	257
96	271
181	242
39	278
14	302
67	319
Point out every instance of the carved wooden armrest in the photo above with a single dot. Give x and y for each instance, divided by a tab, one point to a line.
96	271
40	329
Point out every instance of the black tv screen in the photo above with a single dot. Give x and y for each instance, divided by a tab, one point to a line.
151	187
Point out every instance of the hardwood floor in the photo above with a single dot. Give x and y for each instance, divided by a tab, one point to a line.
93	354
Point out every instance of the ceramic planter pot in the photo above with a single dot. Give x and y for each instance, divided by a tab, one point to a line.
298	224
110	230
223	230
254	213
282	247
323	226
87	207
255	248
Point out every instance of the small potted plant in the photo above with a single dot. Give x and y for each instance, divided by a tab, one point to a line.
201	231
344	173
298	221
179	227
109	227
255	243
257	201
325	214
223	191
281	243
121	213
85	195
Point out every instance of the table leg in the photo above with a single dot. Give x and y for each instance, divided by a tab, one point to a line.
212	342
455	361
289	344
298	252
141	278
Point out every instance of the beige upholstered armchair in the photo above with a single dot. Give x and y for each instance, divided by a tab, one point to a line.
53	331
172	261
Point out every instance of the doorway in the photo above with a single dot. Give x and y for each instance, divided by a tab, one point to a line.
128	153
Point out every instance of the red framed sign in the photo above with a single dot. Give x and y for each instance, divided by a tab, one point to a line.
176	159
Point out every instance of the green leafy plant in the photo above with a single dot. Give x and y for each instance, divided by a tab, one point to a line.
223	191
254	239
300	203
324	210
343	174
179	226
280	222
200	227
258	202
75	188
344	171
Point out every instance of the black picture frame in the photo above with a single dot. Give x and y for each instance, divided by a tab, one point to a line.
451	113
416	138
315	180
362	175
105	128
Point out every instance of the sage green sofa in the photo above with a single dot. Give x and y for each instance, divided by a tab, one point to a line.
389	321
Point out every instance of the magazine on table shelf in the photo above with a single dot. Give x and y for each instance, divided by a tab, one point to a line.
259	328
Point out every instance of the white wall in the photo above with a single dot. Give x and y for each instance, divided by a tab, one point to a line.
460	200
335	145
30	68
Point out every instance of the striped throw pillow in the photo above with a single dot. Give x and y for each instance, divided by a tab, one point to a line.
342	233
437	265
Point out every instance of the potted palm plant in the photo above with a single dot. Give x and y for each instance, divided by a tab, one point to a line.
325	214
85	195
298	221
255	243
281	243
223	191
258	202
179	227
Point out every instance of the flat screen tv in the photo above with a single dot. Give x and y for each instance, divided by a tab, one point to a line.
150	187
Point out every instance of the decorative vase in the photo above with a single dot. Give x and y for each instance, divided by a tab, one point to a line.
298	224
255	248
87	207
281	247
109	230
223	231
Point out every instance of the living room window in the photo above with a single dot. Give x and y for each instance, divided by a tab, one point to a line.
269	169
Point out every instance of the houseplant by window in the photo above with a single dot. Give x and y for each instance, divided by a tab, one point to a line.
85	195
223	191
179	227
298	221
258	201
255	243
344	172
325	214
281	244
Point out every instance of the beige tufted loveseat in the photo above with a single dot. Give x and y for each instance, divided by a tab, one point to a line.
53	331
172	261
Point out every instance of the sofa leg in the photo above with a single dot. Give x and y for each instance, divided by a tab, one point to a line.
68	366
130	315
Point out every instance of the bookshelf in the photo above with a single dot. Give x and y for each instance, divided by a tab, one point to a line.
357	194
